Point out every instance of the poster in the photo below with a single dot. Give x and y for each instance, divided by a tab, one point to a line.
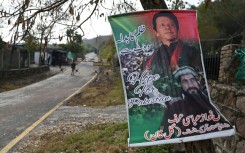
165	87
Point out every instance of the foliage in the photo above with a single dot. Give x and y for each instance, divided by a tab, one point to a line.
73	47
167	4
178	4
73	36
108	50
240	74
88	48
64	47
74	43
31	43
221	23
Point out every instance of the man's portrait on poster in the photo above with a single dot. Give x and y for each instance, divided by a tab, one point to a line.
165	85
194	112
167	75
146	61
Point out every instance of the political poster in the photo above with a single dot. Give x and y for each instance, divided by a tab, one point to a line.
166	91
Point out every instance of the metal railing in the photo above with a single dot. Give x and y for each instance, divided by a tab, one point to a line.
211	64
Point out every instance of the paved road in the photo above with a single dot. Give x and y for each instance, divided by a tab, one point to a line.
22	107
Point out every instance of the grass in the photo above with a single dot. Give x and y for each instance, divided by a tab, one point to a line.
102	138
106	90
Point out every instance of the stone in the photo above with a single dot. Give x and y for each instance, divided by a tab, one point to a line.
230	50
226	47
240	125
213	92
240	103
229	116
221	96
240	147
231	98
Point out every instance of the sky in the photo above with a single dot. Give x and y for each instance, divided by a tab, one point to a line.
100	27
93	27
97	27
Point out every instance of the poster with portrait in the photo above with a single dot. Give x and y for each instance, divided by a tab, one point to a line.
163	75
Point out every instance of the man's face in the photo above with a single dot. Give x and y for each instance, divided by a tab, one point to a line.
189	83
166	30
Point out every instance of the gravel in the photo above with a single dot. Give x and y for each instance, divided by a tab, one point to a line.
70	119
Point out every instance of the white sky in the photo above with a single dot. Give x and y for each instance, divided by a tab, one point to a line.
100	27
96	27
93	27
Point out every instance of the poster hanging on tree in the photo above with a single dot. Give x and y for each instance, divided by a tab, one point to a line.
165	87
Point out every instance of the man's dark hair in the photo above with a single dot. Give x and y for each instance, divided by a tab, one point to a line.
165	14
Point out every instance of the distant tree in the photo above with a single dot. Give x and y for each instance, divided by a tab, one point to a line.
64	47
88	48
166	4
220	23
31	45
77	48
74	42
108	50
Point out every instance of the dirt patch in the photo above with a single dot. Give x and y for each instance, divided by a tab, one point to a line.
15	83
102	92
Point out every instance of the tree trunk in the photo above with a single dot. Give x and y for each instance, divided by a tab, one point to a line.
40	51
203	146
11	57
153	4
1	52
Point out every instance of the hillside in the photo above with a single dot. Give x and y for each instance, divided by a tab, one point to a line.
98	41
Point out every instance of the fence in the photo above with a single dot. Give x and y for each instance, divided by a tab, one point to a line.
211	56
211	64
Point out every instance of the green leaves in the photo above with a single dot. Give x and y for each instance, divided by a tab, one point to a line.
31	43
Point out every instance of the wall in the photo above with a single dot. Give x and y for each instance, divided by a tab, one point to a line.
5	59
15	73
228	65
230	99
37	56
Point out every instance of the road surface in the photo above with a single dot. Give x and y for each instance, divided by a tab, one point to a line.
20	108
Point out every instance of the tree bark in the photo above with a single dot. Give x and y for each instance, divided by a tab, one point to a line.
153	4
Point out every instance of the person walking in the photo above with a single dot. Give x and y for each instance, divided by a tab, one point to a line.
73	67
48	60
